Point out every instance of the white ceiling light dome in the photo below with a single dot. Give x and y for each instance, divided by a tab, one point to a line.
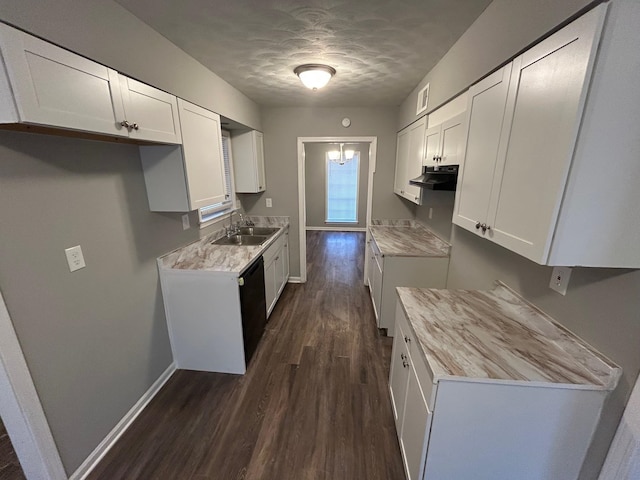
313	75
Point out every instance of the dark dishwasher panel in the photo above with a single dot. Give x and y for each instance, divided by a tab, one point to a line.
253	307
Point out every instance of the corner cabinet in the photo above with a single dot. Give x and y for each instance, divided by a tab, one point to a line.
47	86
520	154
409	158
190	176
248	162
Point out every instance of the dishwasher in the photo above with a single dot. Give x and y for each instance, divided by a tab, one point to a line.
253	306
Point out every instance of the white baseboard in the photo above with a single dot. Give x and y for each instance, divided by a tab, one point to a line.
294	280
112	437
337	229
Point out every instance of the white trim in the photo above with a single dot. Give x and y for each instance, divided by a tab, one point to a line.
21	410
294	280
302	214
112	437
337	229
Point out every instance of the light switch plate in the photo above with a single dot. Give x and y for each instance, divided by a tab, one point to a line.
269	203
185	222
560	279
75	259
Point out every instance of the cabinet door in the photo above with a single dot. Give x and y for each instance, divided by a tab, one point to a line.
414	161
398	375
285	257
415	428
54	87
153	112
377	286
259	149
546	98
270	289
451	141
203	159
402	154
279	273
432	145
485	116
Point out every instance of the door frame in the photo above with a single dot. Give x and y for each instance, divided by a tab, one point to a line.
21	410
302	210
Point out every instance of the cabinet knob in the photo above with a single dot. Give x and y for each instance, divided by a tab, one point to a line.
403	356
406	339
478	225
134	126
125	124
405	364
485	227
434	158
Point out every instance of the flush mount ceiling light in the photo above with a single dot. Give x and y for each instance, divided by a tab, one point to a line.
314	76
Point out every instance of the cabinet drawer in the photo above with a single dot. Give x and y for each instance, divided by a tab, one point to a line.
273	250
416	358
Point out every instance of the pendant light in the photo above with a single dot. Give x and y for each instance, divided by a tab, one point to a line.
341	157
314	76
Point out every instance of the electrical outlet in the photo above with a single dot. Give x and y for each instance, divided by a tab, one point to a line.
560	279
269	203
430	213
75	259
186	225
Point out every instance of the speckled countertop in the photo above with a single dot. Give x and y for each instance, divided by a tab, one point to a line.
497	336
406	238
230	259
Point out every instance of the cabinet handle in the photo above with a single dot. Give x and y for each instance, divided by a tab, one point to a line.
406	339
134	126
403	356
405	364
485	227
478	225
125	124
434	158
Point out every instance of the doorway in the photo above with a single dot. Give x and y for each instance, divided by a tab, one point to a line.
307	143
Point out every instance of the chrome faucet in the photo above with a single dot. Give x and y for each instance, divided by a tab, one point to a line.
232	229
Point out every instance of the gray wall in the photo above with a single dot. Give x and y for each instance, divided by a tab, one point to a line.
602	305
505	28
316	184
282	127
95	339
107	33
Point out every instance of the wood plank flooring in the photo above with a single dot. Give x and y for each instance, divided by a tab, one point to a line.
313	405
10	468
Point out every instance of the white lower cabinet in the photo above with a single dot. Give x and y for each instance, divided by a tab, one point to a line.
389	271
483	429
276	270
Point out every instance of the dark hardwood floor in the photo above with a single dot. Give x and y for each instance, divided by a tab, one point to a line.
10	468
313	405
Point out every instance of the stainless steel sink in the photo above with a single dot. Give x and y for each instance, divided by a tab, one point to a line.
241	240
263	231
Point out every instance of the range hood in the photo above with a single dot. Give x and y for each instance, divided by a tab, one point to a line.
437	177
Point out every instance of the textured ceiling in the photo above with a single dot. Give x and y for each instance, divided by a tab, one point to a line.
381	49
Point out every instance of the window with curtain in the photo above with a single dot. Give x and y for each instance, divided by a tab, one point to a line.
342	190
211	212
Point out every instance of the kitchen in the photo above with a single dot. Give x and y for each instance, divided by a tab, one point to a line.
77	339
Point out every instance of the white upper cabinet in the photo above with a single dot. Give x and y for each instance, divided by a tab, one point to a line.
523	122
409	156
48	86
248	162
191	176
443	143
150	114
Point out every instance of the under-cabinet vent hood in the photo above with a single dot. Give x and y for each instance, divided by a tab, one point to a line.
437	177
